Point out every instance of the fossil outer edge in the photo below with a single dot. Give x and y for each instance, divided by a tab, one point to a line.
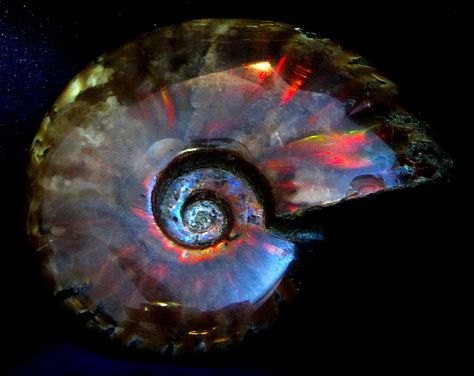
319	124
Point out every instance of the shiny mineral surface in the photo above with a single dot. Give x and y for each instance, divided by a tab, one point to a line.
318	124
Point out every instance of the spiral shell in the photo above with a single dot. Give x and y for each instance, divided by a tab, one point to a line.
157	174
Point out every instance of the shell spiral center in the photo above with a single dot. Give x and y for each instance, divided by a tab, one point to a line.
200	201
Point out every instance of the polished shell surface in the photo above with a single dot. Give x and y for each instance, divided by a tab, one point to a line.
319	125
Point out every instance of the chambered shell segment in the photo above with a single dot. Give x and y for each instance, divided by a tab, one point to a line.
157	172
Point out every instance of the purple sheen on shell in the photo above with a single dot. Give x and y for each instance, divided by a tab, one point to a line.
157	172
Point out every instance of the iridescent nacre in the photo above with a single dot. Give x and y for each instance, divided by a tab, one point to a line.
157	176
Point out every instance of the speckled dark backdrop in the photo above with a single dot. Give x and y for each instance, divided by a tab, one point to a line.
382	292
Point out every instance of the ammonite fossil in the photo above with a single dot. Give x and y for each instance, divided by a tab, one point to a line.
159	174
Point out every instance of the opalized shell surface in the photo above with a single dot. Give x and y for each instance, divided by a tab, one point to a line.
281	122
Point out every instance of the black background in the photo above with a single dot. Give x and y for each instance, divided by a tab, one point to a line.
383	292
